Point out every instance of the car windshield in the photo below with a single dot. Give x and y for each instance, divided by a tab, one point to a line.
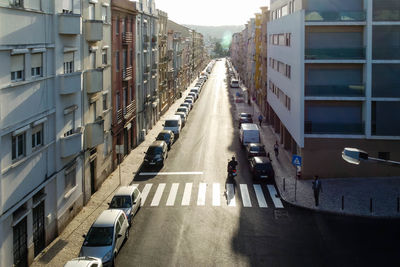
163	136
257	149
120	202
171	123
262	166
99	237
245	115
182	110
154	150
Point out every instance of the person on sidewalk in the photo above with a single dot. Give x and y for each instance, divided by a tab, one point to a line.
260	119
276	149
317	187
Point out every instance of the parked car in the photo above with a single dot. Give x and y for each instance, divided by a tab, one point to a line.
255	150
245	118
194	95
127	199
191	98
186	105
249	133
184	110
167	136
195	90
234	83
156	154
106	236
183	117
189	101
174	124
84	262
261	168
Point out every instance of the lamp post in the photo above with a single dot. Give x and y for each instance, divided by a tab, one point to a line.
355	156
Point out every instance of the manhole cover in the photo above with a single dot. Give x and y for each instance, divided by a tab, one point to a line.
281	214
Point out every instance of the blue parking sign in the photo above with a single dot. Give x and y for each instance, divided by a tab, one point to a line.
296	160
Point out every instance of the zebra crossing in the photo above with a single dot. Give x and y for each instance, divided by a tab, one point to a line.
213	194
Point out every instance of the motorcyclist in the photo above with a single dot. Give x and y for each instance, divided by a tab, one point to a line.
232	164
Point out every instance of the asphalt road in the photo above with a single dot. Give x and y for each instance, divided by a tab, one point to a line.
203	227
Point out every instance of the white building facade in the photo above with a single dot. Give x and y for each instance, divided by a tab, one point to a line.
332	82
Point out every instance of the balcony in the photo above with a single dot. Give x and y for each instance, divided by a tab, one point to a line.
69	24
146	38
170	75
94	134
119	116
145	76
328	16
130	110
335	53
333	128
154	39
127	38
154	66
71	144
93	81
94	30
147	69
127	74
353	90
70	83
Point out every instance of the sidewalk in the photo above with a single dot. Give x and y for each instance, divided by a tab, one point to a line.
372	197
67	245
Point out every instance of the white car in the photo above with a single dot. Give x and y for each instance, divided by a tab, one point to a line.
84	262
194	95
183	117
127	199
184	110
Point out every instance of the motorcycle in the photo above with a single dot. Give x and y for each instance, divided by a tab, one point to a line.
232	173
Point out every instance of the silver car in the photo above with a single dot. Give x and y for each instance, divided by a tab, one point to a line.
106	236
84	262
127	199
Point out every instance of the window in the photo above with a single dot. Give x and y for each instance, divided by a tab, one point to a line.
288	71
37	136
92	59
36	65
69	121
91	9
94	107
123	25
125	98
117	26
105	101
68	62
132	94
117	101
117	60
131	58
70	178
104	14
17	3
287	39
18	146
17	68
67	6
124	59
104	56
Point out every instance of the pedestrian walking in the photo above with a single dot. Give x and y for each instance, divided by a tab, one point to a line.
317	188
276	149
260	119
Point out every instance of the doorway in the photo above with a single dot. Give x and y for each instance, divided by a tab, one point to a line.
92	176
20	247
38	228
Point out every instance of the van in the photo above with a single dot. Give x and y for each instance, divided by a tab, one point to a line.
234	83
249	133
174	124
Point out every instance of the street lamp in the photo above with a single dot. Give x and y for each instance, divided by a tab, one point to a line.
355	156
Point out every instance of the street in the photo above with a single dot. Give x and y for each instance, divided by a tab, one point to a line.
187	219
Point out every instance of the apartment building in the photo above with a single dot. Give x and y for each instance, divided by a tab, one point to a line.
96	96
124	129
41	133
162	62
263	103
333	82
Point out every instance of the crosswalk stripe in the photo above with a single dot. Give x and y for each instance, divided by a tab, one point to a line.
231	195
201	197
260	196
136	185
186	194
216	195
245	195
145	192
172	194
272	192
157	196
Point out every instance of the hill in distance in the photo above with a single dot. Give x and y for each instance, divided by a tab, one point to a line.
216	32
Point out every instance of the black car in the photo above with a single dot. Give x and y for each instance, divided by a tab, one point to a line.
245	118
156	154
255	150
167	136
261	168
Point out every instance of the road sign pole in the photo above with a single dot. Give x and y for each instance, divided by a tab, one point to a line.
295	184
296	161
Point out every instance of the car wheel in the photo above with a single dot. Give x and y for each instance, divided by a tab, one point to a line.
127	234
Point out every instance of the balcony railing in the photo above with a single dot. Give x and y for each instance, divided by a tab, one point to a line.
70	83
69	24
119	115
154	66
335	53
127	73
147	69
130	110
94	30
127	37
71	144
354	90
335	16
333	128
386	52
146	38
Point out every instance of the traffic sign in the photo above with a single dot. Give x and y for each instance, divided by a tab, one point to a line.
296	160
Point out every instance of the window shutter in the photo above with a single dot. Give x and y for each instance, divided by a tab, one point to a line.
68	57
67	5
68	122
17	62
36	60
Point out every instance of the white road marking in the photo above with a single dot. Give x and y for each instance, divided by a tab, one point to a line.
172	194
145	192
201	198
157	196
186	194
272	192
216	195
136	185
245	195
260	196
230	195
169	173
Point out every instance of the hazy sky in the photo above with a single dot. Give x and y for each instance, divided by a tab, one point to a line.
211	12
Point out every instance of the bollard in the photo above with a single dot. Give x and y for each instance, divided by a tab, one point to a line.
342	202
284	187
370	205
